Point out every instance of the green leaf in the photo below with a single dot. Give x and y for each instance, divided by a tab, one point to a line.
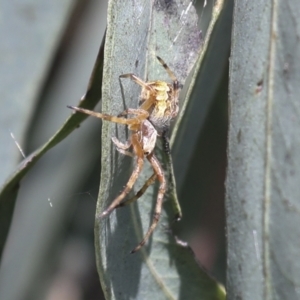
161	269
263	211
31	31
29	44
202	89
9	190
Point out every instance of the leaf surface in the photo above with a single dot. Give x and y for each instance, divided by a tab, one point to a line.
161	269
9	190
263	156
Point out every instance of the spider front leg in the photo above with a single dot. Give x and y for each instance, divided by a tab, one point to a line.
161	192
166	67
140	114
147	90
131	122
135	79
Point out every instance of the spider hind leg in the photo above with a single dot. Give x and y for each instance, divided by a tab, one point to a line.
134	176
158	207
140	193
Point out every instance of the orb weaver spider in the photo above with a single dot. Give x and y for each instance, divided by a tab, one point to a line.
161	100
159	106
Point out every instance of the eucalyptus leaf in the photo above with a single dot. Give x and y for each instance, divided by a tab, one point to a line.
8	192
263	225
161	269
202	89
30	31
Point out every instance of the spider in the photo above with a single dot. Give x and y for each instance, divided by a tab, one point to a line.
159	105
159	98
142	142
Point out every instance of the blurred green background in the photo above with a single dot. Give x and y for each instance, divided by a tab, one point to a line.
49	51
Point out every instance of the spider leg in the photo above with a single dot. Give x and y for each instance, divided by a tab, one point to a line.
124	152
136	80
121	147
137	170
140	193
104	116
148	101
162	189
171	179
176	83
170	73
140	114
127	188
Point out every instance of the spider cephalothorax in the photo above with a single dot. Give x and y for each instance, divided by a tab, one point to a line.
159	98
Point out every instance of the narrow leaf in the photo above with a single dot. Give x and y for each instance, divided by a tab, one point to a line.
263	156
8	192
161	269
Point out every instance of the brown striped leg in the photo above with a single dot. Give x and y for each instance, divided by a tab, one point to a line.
140	114
135	79
138	150
140	193
127	188
106	117
162	189
170	73
147	102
